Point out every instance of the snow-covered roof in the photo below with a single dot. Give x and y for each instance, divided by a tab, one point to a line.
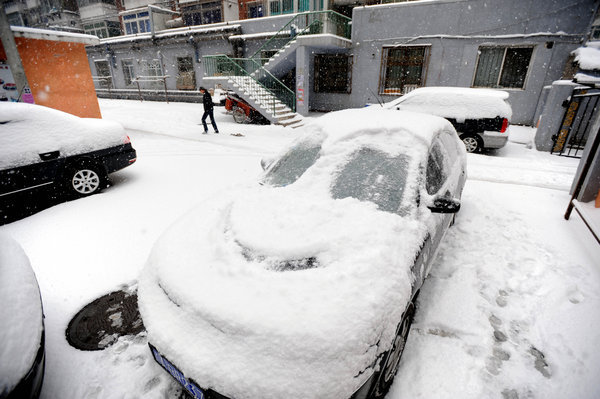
29	130
588	57
54	35
21	314
458	103
201	29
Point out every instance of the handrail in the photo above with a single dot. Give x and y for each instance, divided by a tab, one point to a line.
222	65
311	23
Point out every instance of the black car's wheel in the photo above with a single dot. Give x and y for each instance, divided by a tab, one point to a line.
84	179
388	371
473	143
239	115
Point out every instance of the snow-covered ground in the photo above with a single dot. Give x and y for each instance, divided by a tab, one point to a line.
509	311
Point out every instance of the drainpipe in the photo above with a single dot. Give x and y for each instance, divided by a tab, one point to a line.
12	54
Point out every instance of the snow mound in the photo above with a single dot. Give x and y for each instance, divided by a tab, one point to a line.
20	313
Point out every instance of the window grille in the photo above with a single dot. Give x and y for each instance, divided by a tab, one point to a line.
403	69
333	73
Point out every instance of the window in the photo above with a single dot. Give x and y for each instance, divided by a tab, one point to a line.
372	175
152	71
186	78
403	69
275	7
595	35
287	6
293	164
103	29
436	168
128	71
303	5
103	77
137	23
333	73
255	9
202	13
502	67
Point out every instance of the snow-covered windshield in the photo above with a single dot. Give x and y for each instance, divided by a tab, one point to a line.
293	164
372	175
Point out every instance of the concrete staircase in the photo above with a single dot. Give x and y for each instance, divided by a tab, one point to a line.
263	100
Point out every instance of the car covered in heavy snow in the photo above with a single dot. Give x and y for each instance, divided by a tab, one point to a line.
304	286
480	116
42	147
22	344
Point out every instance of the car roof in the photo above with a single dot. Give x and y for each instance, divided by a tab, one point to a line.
390	128
455	102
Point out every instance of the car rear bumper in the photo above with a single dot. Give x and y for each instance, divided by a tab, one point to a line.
119	158
494	139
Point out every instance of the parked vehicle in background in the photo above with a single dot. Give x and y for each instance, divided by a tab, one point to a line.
242	111
305	285
43	148
22	343
480	116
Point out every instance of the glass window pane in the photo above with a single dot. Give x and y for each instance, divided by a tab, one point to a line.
488	67
515	67
374	176
293	164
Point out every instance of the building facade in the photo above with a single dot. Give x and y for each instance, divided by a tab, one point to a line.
393	48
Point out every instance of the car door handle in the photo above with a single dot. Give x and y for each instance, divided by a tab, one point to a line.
47	156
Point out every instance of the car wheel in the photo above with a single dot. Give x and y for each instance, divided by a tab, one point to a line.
239	115
83	180
387	373
472	143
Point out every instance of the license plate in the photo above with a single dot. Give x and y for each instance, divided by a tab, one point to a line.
189	386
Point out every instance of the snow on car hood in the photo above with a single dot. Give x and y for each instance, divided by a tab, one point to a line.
213	301
20	312
27	130
458	103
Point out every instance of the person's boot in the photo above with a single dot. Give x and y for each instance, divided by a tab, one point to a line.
205	132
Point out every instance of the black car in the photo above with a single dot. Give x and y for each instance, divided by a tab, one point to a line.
22	343
43	148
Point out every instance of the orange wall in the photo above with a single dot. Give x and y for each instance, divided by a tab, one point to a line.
59	76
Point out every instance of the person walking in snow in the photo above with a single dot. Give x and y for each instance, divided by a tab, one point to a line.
208	110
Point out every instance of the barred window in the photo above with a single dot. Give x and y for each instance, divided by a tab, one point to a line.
333	73
403	69
502	67
128	71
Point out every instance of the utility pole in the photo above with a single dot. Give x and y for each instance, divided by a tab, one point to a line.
12	54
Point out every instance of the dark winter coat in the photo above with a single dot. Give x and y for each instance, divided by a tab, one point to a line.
207	101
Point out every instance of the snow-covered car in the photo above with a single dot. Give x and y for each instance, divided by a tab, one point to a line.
304	286
22	349
480	116
42	147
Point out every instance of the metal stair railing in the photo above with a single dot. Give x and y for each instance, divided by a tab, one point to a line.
259	82
309	23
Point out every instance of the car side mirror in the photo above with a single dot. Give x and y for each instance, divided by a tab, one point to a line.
444	205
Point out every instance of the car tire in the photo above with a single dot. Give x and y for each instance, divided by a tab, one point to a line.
85	179
239	115
472	142
392	359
